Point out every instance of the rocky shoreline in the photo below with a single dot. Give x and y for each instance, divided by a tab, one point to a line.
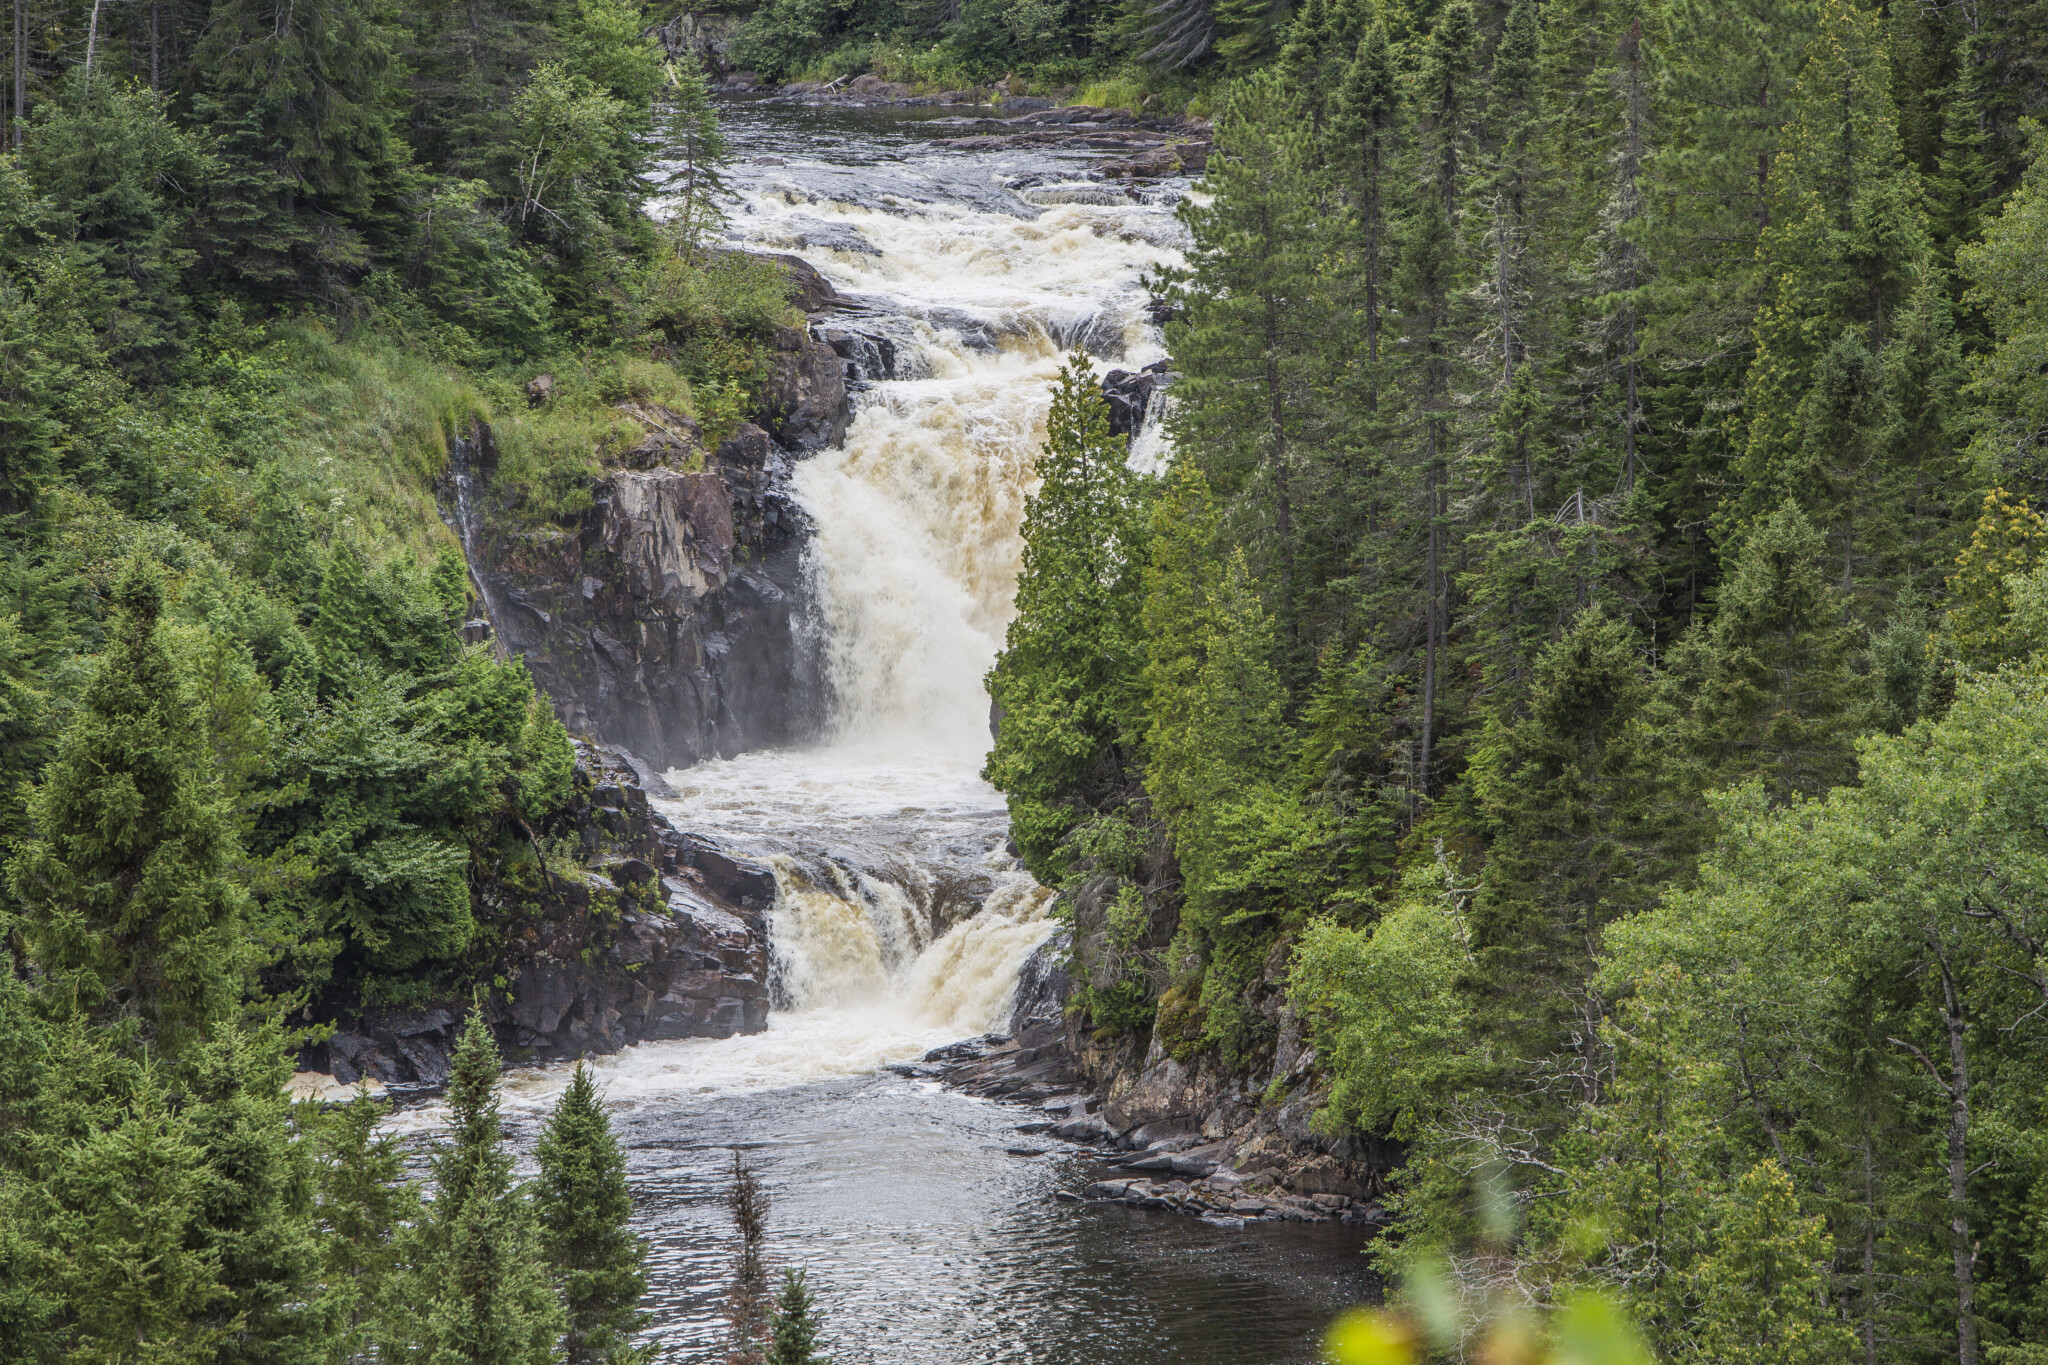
654	933
1147	1166
1170	1136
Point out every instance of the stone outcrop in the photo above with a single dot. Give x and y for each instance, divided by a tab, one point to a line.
650	933
1176	1123
707	37
1130	395
666	617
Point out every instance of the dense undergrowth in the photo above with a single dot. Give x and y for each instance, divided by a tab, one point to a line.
261	269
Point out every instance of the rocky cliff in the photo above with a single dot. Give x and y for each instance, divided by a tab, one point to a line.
647	933
668	617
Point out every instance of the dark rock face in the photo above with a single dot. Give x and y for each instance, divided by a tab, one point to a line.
652	934
1130	395
667	617
803	402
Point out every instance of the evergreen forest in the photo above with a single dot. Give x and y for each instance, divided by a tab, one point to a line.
1582	671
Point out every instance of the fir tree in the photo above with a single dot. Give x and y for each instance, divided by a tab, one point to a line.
584	1211
1769	689
694	149
479	1293
364	1204
795	1330
1565	792
129	903
1845	241
1066	683
1253	404
1763	1293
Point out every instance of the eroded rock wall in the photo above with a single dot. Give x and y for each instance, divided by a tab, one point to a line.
648	933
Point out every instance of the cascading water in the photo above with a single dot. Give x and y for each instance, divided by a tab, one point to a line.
901	919
900	916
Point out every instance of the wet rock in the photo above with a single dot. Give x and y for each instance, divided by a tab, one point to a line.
803	398
658	619
667	958
708	38
1130	395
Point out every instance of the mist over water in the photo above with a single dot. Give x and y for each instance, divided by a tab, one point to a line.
901	919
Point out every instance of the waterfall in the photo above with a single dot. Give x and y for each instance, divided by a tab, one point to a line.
901	919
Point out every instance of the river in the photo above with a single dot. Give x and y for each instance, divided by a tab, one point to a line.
901	920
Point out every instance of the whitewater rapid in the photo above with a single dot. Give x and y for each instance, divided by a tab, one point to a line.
901	917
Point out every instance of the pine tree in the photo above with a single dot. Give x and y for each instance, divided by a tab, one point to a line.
1066	683
128	897
479	1293
795	1340
1763	1293
585	1210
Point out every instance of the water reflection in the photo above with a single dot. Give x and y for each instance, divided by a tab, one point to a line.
928	1244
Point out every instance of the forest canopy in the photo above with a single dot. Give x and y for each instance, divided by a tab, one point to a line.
1579	674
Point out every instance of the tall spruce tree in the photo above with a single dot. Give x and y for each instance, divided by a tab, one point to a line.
1845	246
1067	685
1565	795
479	1291
1252	407
128	898
364	1204
1770	689
585	1209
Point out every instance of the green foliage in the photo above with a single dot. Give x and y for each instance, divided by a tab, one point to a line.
583	1207
479	1290
1066	683
794	1333
126	892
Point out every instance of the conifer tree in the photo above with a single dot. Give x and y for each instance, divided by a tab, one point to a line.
364	1204
686	126
584	1210
479	1292
1845	244
1366	120
127	892
1432	285
299	99
1565	794
256	1212
1763	1293
1067	684
749	1307
1252	405
1768	690
795	1332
